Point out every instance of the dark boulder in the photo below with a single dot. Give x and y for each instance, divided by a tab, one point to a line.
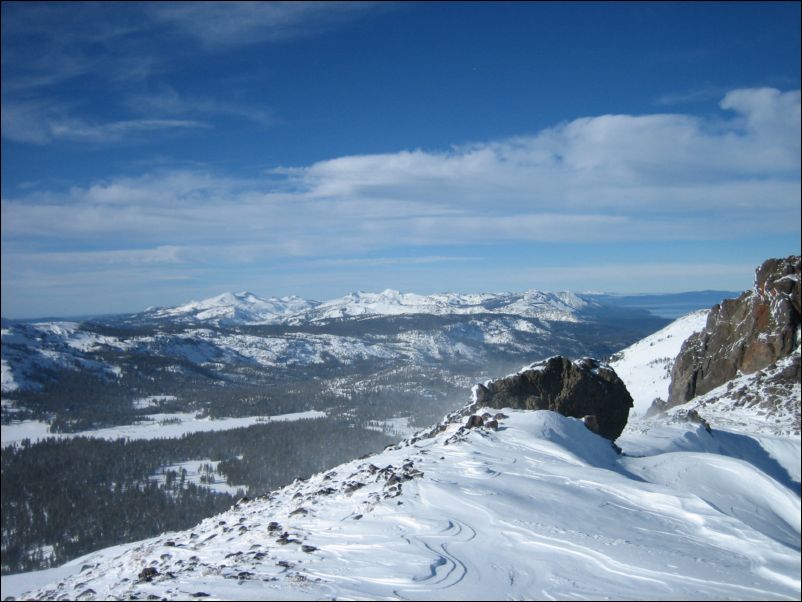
580	388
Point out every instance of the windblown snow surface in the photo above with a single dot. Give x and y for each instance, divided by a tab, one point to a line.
541	508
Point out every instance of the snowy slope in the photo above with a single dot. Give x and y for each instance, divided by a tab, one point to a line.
33	350
539	509
645	367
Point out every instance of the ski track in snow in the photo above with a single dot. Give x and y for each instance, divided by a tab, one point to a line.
539	509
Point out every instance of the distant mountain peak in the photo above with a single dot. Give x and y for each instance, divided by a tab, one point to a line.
243	306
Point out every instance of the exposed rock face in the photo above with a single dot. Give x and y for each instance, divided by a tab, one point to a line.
574	389
743	335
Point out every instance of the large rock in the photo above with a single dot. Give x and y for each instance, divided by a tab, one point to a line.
581	388
742	335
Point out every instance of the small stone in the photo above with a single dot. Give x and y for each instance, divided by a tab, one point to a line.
474	421
148	573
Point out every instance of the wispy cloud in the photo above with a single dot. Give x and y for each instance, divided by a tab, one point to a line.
237	23
166	101
384	261
37	123
695	95
123	58
594	180
47	44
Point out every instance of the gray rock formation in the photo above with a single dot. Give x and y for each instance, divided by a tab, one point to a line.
743	335
577	389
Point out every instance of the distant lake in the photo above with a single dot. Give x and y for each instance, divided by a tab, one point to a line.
670	305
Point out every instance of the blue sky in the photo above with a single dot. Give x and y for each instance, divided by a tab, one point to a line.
154	153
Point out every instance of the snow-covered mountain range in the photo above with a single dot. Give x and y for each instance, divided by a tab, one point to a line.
247	308
240	331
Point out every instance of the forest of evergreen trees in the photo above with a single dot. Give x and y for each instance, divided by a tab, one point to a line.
64	498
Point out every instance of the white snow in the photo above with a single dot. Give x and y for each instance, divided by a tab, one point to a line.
195	470
539	509
156	426
645	367
396	427
7	382
24	429
152	401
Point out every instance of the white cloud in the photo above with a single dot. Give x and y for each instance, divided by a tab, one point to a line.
772	119
639	165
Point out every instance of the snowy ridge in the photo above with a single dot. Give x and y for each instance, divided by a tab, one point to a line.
564	515
645	367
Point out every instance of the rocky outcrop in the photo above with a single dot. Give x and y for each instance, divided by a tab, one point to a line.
578	389
742	335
